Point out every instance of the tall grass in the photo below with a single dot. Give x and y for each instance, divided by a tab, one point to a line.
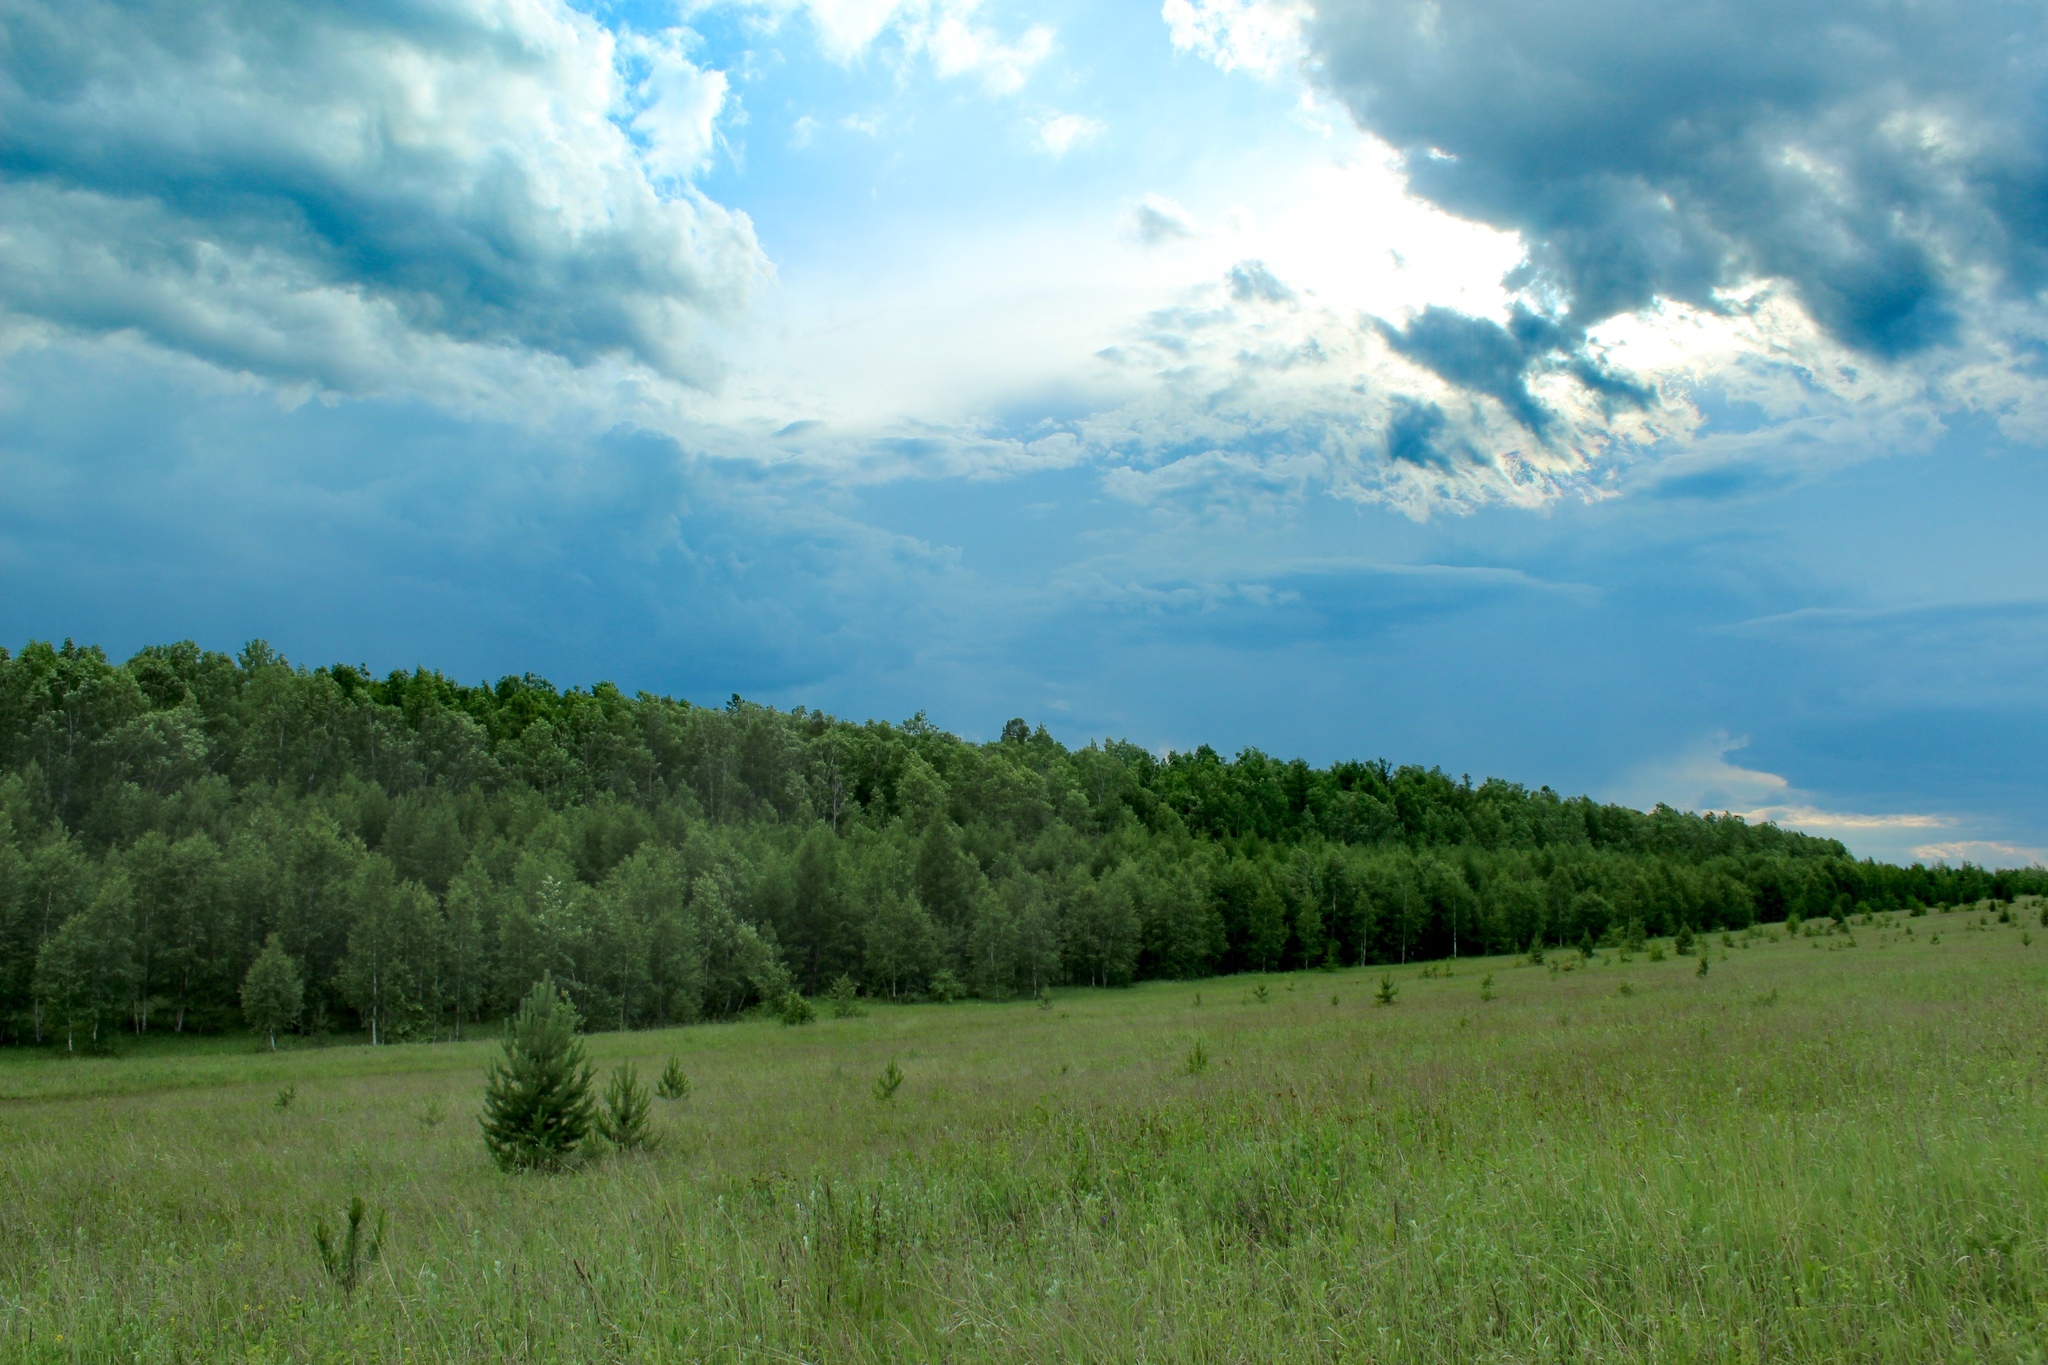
1816	1152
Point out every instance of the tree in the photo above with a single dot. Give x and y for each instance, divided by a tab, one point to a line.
537	1101
273	991
86	972
392	952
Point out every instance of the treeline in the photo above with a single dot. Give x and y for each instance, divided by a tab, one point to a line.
424	851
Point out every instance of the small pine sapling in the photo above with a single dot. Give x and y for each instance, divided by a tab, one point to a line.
1536	951
889	1082
537	1104
1198	1059
1333	1000
673	1085
1682	945
286	1096
344	1257
845	998
1657	952
1387	991
1486	986
624	1119
1703	966
1260	994
1044	998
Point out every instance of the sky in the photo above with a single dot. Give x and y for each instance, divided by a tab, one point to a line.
1645	400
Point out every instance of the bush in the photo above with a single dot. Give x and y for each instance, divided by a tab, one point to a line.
793	1009
537	1105
889	1082
1683	943
1387	991
673	1085
946	988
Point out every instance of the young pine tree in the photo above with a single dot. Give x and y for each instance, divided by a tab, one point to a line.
624	1119
537	1103
273	991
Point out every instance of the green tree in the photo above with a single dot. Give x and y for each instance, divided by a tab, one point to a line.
85	974
273	991
392	952
537	1101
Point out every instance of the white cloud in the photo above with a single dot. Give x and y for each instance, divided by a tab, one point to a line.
362	197
1983	852
1059	134
949	33
1263	37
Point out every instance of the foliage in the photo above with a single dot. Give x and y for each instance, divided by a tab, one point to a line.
272	991
1387	991
344	1257
889	1082
537	1102
626	1119
845	998
794	1009
426	850
1198	1059
673	1085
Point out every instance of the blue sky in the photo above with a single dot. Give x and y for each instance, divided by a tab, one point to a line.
1642	400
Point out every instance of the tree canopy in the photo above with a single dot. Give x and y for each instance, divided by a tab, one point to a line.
425	851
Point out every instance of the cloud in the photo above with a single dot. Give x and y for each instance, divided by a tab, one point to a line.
1259	36
1983	852
947	32
1702	778
344	195
1059	134
1879	159
1156	220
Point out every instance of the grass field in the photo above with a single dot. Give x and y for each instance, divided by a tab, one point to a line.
1829	1148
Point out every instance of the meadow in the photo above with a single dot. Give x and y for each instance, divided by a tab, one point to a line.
1830	1146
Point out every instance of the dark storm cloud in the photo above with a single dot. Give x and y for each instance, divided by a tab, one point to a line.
1886	159
308	190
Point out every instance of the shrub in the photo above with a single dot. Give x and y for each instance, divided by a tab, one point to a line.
793	1009
1387	991
889	1082
1198	1059
1682	945
673	1085
624	1119
1703	966
946	988
1656	952
537	1105
1260	994
1486	986
1536	951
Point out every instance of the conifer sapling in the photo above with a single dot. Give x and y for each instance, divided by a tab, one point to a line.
537	1105
624	1119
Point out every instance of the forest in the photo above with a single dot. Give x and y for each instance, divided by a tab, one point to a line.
420	852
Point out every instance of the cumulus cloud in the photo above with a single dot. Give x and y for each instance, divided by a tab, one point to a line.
1884	161
336	194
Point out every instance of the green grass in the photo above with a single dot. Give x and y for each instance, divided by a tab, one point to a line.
1817	1151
